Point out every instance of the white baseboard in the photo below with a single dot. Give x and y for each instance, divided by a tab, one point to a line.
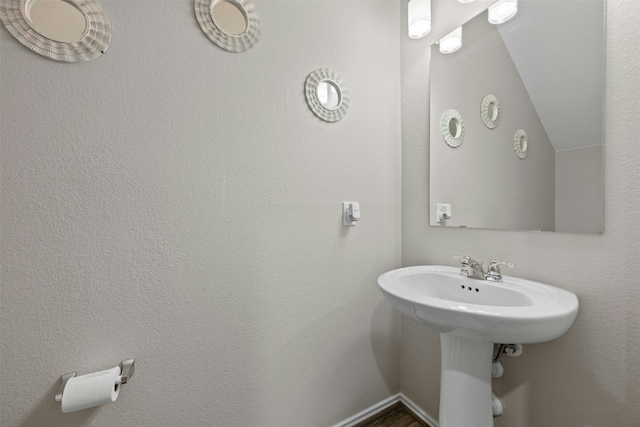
374	409
369	412
418	411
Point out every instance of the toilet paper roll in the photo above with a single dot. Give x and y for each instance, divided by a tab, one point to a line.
91	390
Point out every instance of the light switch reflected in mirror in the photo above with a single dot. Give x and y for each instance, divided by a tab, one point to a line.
229	17
57	20
329	94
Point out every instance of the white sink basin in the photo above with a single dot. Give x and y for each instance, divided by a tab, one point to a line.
471	315
513	311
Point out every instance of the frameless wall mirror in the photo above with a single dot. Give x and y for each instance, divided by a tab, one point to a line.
326	94
232	25
63	30
546	68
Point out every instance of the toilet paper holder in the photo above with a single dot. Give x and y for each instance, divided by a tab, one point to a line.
127	367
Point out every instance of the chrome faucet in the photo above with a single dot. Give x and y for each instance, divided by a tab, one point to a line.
474	269
471	267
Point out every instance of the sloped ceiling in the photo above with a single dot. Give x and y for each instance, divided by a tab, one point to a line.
557	46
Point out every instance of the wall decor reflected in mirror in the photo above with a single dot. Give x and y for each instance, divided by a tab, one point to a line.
490	111
546	66
326	95
63	30
521	143
452	127
232	25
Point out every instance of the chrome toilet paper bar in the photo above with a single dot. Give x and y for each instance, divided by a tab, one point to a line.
127	367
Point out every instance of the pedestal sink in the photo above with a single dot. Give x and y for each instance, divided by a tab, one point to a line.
471	315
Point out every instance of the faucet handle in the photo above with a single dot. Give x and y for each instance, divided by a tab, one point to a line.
494	263
467	260
493	270
463	258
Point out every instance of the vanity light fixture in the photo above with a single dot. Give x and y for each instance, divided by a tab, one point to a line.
451	42
419	18
503	10
465	1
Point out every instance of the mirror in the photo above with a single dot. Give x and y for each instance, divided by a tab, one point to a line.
452	128
546	67
490	111
326	95
228	16
57	20
521	143
232	25
62	30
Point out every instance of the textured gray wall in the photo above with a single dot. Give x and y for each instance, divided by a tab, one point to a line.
487	185
579	190
590	376
180	204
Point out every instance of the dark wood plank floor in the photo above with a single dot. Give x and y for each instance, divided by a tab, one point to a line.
397	416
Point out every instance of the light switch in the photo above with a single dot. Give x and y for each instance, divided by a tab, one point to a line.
443	212
350	213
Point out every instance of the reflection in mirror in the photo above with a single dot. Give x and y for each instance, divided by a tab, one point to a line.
521	143
57	20
546	67
490	111
328	94
229	17
452	127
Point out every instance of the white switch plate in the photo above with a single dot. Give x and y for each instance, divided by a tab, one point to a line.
443	212
346	218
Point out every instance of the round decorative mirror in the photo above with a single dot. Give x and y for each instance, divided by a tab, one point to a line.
490	111
63	30
233	25
521	143
229	17
452	128
327	95
57	20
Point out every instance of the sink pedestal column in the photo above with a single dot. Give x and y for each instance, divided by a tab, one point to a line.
465	382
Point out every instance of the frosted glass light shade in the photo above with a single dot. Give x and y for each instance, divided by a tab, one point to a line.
503	10
451	42
419	18
465	1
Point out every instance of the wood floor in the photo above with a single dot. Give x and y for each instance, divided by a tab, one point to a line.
395	416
